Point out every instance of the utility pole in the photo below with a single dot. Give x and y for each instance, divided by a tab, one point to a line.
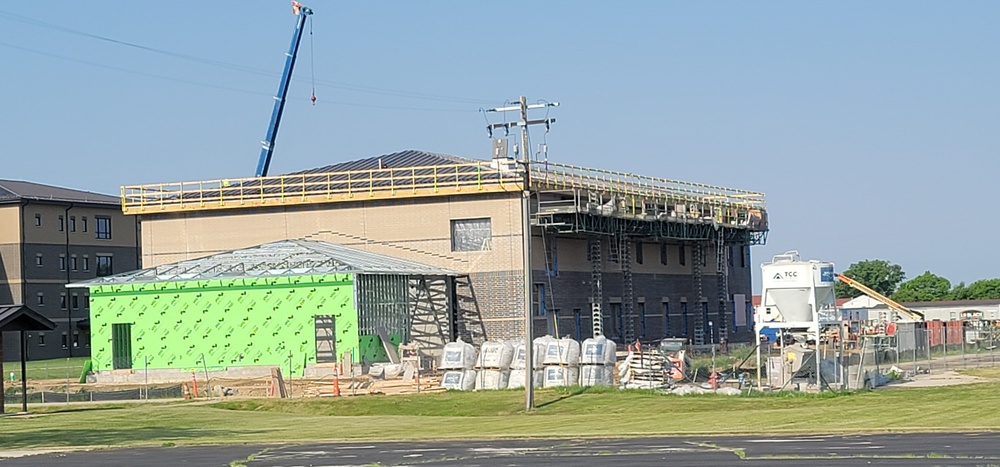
529	348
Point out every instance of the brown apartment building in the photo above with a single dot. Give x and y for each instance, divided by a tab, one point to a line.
629	256
50	236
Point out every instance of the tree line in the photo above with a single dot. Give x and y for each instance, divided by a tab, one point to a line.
889	279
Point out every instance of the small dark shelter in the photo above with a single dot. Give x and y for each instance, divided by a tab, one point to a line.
20	319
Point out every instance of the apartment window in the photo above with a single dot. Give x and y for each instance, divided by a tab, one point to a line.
729	255
83	224
663	254
72	223
470	234
72	262
41	339
75	300
38	259
62	262
86	263
638	252
103	228
64	341
62	224
41	299
744	253
103	265
62	301
38	220
551	255
76	339
538	299
681	257
86	301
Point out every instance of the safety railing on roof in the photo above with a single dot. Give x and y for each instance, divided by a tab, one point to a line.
563	176
435	180
304	188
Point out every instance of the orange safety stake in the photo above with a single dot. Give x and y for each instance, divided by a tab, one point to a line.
194	385
713	382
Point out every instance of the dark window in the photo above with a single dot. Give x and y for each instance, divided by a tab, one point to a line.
72	223
41	299
642	319
83	224
72	262
684	319
471	234
38	259
663	254
681	257
103	228
38	220
744	253
730	253
62	262
86	263
103	265
65	341
638	252
76	339
41	339
666	319
62	224
75	300
551	255
538	300
86	302
62	301
616	318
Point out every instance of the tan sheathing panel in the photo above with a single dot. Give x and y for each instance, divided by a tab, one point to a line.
419	230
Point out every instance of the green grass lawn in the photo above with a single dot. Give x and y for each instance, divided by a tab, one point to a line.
561	413
56	368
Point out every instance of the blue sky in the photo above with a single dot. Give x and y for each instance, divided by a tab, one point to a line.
871	126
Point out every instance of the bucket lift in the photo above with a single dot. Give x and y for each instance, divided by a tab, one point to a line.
267	146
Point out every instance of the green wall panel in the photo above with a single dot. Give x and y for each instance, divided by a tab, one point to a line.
372	349
232	322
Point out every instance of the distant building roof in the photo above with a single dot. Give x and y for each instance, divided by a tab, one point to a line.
16	190
275	259
408	158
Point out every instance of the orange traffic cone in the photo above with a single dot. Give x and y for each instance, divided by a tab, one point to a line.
336	384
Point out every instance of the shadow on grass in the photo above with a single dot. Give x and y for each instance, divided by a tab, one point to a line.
105	436
573	392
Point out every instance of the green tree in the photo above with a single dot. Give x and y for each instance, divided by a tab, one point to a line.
986	289
926	287
880	275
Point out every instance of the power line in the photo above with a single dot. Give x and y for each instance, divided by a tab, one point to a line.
241	68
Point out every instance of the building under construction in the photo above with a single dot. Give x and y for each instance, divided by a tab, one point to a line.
630	256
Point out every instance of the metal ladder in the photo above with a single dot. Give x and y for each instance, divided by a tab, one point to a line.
628	295
722	269
596	292
697	259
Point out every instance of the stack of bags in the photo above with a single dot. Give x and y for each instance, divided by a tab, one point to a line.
458	359
493	365
518	366
597	362
561	361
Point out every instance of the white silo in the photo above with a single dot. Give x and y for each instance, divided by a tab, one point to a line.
795	293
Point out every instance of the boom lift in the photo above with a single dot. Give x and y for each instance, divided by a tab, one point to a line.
892	304
267	146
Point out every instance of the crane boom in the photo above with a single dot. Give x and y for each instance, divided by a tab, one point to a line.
267	146
892	304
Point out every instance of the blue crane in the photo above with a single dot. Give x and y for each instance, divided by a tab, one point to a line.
267	146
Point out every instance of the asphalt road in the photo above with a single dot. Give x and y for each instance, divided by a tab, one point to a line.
975	449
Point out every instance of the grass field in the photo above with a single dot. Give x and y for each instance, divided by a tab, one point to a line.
57	368
564	412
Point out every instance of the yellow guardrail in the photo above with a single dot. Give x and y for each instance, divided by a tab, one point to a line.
434	180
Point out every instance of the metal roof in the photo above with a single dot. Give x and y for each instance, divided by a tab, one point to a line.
15	190
275	259
401	159
22	318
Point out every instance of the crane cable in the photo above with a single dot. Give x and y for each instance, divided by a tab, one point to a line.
312	62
